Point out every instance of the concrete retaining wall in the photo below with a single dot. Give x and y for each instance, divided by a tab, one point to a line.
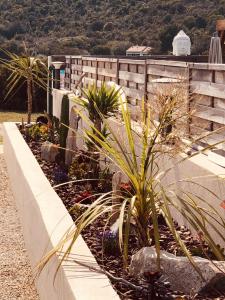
45	220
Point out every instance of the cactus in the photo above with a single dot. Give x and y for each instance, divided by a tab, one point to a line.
64	120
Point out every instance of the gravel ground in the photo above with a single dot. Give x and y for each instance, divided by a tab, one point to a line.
15	271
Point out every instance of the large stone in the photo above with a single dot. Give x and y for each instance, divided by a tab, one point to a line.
49	151
179	271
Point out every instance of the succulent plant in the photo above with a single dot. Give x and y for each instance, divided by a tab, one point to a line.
60	175
110	243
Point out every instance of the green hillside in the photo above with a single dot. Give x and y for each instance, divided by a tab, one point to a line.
106	26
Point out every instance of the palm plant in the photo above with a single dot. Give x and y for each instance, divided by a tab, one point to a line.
138	155
100	101
27	70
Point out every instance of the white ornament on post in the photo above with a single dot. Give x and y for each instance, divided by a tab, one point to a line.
181	44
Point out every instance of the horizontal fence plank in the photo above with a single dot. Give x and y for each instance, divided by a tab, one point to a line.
133	93
89	69
201	75
210	138
167	87
76	56
88	80
167	63
107	72
172	72
208	88
219	103
206	66
76	67
131	61
104	59
130	76
204	124
210	113
75	76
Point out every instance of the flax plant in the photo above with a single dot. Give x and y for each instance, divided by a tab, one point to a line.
103	100
98	102
24	69
139	152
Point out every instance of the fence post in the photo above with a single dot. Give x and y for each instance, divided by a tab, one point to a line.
189	78
213	98
96	73
146	82
70	72
82	85
117	71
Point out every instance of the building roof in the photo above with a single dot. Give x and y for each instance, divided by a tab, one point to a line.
137	48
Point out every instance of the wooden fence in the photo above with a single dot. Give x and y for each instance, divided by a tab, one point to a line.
206	84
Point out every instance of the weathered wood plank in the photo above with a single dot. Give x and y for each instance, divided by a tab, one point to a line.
88	80
167	63
211	139
199	122
209	89
89	69
103	59
133	93
131	61
210	113
171	72
154	87
75	77
76	56
202	75
219	103
67	80
206	66
220	77
107	72
130	76
76	67
201	99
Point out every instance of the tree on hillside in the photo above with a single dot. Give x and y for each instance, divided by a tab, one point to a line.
27	70
166	37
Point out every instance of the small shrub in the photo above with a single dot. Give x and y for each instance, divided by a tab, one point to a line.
64	123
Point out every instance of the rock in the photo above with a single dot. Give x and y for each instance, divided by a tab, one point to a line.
49	151
179	271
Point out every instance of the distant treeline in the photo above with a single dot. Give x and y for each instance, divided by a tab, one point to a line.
106	27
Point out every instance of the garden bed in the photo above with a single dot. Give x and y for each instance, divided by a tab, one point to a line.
72	193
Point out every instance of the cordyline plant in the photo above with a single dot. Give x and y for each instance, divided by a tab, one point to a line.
98	102
138	153
27	70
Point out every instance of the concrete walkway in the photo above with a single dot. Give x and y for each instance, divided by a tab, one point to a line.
15	272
